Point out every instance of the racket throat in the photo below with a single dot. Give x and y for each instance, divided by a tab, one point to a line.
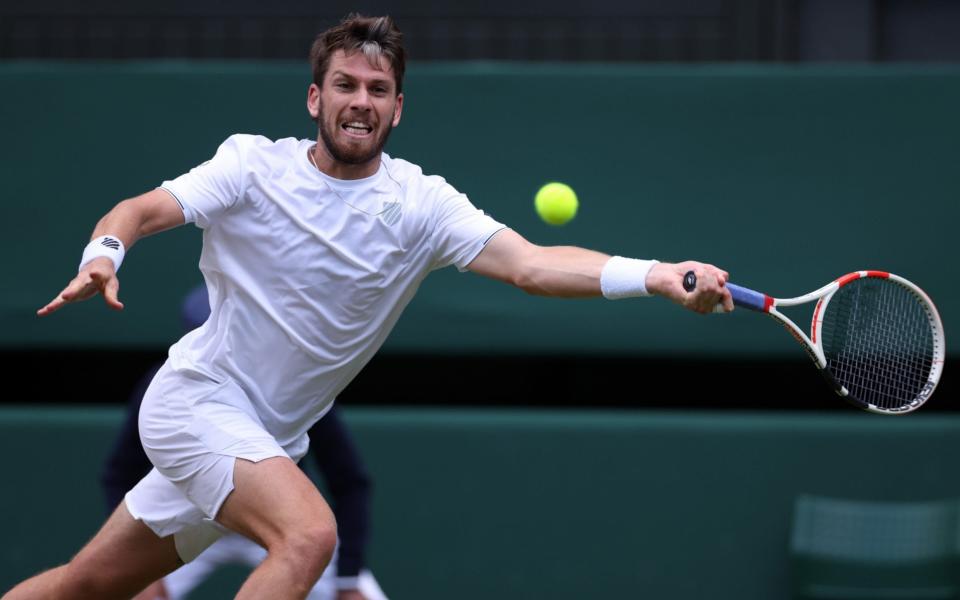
837	387
812	350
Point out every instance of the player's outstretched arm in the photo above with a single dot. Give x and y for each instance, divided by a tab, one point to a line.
128	221
572	272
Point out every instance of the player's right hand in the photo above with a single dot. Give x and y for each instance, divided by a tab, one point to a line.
666	279
96	277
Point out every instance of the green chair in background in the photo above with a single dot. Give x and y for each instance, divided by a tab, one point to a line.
850	549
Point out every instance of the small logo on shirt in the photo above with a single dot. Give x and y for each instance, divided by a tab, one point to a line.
391	213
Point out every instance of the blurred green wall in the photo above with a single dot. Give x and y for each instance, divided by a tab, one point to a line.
480	504
786	176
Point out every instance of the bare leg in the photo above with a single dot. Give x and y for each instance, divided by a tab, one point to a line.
276	505
122	559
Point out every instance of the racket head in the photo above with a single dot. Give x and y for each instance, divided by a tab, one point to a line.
883	342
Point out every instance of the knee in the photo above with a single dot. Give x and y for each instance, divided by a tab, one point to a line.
312	546
84	577
83	581
317	542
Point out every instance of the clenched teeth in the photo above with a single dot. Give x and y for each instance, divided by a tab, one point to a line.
357	127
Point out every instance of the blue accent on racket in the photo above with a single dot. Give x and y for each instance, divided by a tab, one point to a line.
747	298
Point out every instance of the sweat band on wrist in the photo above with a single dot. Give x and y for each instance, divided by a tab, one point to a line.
105	245
625	277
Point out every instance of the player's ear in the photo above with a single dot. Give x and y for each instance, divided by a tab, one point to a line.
397	109
313	100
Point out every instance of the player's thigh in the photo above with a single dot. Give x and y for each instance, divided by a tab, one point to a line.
272	500
125	553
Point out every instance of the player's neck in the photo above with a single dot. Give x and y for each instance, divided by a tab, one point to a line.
328	165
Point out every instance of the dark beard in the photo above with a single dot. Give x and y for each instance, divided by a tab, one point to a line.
351	157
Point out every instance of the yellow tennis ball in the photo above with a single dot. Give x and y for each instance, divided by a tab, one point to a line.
556	203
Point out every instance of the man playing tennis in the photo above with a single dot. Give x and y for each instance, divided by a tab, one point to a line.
311	250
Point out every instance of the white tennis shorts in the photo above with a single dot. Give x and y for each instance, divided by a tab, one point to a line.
193	429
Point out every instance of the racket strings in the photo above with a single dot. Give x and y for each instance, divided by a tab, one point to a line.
896	371
878	342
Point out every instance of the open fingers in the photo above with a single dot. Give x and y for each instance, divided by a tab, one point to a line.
80	288
109	286
86	285
51	306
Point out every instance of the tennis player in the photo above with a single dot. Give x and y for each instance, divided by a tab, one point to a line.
311	250
337	458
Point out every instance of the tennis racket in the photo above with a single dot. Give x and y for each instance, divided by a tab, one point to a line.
876	337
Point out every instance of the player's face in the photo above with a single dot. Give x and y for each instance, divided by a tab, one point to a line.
356	109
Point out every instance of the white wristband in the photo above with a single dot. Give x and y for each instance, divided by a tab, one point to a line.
625	277
105	245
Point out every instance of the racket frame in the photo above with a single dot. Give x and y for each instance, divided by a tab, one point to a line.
812	344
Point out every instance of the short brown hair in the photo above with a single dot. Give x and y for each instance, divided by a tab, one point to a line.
374	36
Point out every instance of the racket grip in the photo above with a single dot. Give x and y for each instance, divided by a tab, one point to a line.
747	298
742	297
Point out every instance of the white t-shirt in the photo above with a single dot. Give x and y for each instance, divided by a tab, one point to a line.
308	274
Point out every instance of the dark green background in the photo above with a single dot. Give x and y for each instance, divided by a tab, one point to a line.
786	176
480	504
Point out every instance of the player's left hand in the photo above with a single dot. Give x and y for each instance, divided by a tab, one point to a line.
97	277
666	279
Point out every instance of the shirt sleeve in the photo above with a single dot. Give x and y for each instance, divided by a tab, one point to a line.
211	188
461	230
